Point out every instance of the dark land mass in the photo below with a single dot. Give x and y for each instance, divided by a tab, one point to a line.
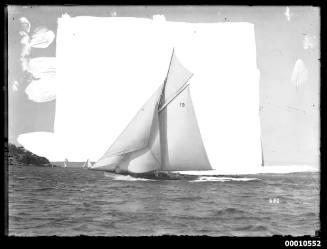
19	156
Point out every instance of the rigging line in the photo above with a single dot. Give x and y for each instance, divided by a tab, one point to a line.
177	93
283	107
171	58
262	158
155	158
165	82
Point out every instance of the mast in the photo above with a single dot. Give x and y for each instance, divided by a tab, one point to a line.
162	98
262	159
162	95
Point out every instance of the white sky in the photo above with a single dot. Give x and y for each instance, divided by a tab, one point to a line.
107	68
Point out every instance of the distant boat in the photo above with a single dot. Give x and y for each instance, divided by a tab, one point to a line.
66	163
87	164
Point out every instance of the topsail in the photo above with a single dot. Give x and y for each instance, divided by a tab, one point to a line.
164	134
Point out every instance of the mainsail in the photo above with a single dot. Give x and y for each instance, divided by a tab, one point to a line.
164	134
66	163
182	147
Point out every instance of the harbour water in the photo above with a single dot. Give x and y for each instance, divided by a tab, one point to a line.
77	201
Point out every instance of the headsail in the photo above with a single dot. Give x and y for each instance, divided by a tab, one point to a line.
136	149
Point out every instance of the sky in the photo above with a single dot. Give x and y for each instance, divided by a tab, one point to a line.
287	57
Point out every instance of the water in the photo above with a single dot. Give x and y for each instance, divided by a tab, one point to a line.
77	201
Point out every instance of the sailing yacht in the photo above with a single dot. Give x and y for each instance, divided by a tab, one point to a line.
87	164
66	163
163	136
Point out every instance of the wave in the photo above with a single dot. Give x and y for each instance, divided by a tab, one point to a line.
254	228
200	179
244	170
229	211
125	178
45	188
311	214
223	179
186	198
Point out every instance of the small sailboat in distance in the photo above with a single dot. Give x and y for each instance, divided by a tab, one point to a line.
87	164
163	136
66	163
